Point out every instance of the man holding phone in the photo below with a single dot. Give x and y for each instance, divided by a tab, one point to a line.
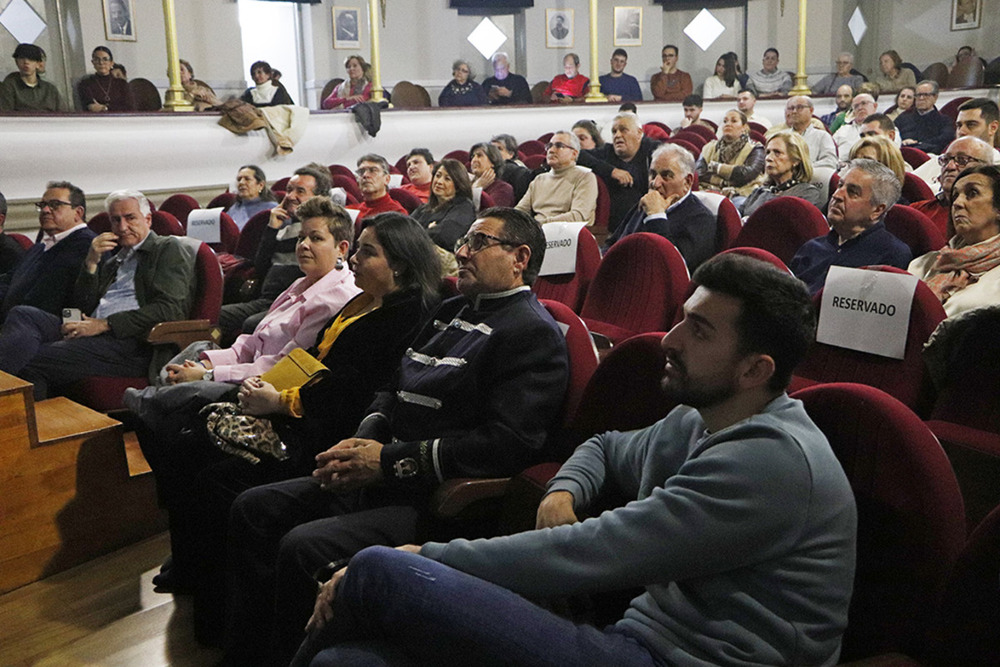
130	280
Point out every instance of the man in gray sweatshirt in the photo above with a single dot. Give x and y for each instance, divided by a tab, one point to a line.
742	531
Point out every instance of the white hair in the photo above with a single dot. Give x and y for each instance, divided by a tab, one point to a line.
121	195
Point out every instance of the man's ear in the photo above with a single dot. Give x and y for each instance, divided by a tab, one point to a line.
757	371
522	255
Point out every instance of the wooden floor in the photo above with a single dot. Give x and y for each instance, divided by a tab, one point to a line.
101	613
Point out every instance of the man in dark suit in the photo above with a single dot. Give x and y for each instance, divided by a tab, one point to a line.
130	280
671	210
45	276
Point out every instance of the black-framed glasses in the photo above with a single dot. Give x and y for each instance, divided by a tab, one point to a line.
53	204
962	161
480	241
556	144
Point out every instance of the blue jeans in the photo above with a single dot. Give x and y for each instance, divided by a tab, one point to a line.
397	608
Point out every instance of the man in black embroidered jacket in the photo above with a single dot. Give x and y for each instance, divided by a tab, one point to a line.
474	397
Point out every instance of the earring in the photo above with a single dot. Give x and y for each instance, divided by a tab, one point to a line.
340	263
395	274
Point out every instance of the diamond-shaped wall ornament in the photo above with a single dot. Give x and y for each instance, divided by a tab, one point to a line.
22	21
857	25
704	29
487	38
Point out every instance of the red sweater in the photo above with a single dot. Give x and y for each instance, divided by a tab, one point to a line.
575	87
383	204
422	192
937	212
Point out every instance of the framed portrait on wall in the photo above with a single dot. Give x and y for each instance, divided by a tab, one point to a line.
628	26
119	24
346	28
966	14
558	28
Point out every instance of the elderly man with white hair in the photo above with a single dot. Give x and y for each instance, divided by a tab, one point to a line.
505	87
964	152
829	84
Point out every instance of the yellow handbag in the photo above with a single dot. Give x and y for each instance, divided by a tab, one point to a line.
297	369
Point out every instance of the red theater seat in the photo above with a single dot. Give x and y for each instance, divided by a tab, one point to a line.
781	226
570	289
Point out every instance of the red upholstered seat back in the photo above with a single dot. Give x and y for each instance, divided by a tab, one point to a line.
571	288
655	132
404	198
341	170
696	139
602	214
911	523
165	224
21	239
656	123
916	188
225	200
694	150
582	355
250	235
532	147
533	160
914	156
179	206
760	254
280	185
229	235
781	226
727	218
638	286
545	137
350	185
914	229
970	391
459	154
707	134
905	379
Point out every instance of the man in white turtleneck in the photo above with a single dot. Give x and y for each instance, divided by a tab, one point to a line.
567	193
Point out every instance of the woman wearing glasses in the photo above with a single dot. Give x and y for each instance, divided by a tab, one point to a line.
462	91
102	92
965	274
449	210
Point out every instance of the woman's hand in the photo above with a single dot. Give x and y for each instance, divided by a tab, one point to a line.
258	397
486	179
97	106
323	609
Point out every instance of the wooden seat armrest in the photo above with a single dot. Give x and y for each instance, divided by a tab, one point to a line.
455	495
183	332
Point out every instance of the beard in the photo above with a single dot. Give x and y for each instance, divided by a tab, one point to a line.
681	388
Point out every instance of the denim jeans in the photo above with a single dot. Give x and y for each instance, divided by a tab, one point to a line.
397	608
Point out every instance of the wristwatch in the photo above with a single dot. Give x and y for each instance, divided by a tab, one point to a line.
209	375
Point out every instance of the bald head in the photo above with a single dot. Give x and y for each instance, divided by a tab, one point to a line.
972	151
798	112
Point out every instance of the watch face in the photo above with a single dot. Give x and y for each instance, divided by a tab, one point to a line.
406	468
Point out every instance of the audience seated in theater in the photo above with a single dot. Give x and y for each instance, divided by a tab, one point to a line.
101	91
787	173
196	92
172	435
883	151
965	274
961	154
373	181
837	117
858	236
733	164
904	101
11	253
484	412
567	193
514	171
589	134
252	195
670	84
724	83
130	280
693	105
449	211
419	165
505	87
769	81
623	165
266	93
771	578
570	86
848	134
894	76
746	100
487	164
618	86
669	209
799	117
923	126
25	90
829	84
45	276
462	91
357	87
275	265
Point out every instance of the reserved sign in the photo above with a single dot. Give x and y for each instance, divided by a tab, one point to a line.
203	224
560	247
868	311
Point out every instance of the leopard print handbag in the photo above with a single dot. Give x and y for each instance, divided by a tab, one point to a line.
241	435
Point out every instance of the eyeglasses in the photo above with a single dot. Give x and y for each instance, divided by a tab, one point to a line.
52	204
556	144
368	170
480	241
962	161
797	107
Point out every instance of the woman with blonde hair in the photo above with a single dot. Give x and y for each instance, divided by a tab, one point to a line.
882	150
356	88
788	171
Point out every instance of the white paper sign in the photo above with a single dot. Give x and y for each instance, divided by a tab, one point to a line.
203	224
354	213
395	180
477	198
560	247
868	311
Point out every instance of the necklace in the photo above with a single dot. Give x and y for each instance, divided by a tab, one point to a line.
107	92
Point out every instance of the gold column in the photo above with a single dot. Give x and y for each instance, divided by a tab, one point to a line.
800	87
174	100
373	20
594	94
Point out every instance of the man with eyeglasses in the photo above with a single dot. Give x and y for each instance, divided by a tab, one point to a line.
670	84
566	193
131	279
475	396
45	276
864	105
925	127
961	153
830	83
799	117
623	164
373	181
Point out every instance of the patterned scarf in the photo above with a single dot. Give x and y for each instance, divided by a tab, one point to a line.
730	149
958	267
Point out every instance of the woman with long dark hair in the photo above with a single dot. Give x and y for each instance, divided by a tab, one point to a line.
449	211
